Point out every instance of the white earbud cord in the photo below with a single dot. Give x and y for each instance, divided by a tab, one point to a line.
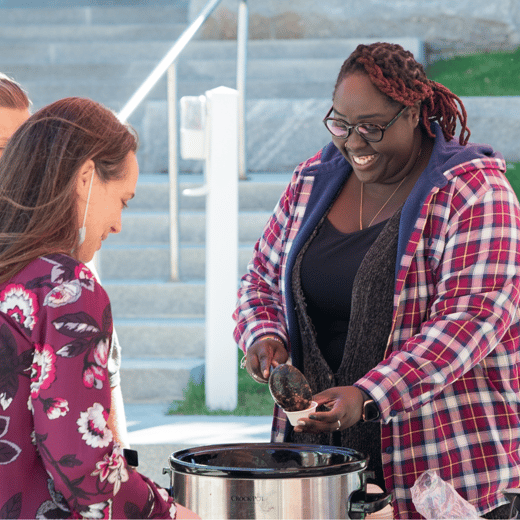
83	229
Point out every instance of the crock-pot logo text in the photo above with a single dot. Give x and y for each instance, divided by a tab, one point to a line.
236	498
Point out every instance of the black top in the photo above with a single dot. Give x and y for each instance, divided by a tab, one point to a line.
364	345
329	267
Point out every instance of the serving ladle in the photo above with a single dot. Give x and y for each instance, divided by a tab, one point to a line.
289	388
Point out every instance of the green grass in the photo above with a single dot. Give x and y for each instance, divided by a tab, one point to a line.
253	398
483	74
513	176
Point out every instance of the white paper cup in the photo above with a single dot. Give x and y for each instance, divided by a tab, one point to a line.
294	416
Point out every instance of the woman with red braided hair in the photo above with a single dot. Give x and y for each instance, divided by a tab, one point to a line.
389	274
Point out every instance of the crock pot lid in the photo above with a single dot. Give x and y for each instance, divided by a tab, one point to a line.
267	460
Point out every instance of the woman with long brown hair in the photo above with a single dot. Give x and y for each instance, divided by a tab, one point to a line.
14	110
65	177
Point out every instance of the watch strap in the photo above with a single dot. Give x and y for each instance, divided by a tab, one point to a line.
370	411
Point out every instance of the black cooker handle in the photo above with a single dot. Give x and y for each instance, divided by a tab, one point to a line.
168	471
363	503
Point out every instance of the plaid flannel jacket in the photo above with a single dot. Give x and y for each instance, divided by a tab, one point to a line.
449	386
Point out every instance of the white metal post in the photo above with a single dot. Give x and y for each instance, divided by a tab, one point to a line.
221	377
173	172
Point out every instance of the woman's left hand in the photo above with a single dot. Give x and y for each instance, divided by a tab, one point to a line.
345	404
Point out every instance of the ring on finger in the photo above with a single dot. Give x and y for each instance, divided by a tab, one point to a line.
339	425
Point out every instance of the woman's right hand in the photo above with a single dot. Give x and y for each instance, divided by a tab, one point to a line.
263	354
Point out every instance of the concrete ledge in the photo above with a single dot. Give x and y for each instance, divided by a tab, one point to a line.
155	299
87	12
446	26
495	121
154	261
158	380
167	338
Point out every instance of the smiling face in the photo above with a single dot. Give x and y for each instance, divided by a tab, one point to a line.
107	201
357	100
10	120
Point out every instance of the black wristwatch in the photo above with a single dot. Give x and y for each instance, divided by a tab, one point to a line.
131	457
371	412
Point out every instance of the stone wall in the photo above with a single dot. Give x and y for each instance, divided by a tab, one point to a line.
447	27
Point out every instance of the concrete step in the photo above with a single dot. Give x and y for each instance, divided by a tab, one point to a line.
62	12
149	228
113	84
161	324
82	49
63	64
145	299
281	133
288	90
114	93
259	192
152	45
153	262
159	338
111	71
150	380
88	53
104	30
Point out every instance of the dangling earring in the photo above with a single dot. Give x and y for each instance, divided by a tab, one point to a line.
83	228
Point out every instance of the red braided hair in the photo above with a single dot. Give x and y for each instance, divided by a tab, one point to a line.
396	73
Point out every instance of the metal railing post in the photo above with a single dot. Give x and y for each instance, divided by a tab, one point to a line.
242	36
168	64
173	172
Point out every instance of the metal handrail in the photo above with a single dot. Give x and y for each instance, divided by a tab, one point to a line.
168	64
168	59
242	33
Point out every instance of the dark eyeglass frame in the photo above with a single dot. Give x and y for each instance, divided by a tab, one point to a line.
355	127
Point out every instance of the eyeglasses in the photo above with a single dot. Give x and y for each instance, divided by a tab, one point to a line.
368	131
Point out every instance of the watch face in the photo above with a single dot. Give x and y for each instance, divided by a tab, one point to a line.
370	411
131	457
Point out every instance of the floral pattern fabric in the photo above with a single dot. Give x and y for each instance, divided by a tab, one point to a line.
58	458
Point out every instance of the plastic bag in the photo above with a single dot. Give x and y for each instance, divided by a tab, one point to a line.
435	499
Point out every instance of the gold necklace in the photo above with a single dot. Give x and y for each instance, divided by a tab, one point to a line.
387	200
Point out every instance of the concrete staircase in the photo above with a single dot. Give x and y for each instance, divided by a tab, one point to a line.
161	324
102	52
105	53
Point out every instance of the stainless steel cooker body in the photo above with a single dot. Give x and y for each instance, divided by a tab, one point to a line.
273	481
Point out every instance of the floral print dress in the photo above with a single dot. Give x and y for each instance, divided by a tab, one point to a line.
57	454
